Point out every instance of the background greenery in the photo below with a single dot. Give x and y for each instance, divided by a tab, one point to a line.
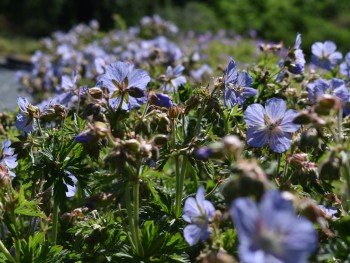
317	20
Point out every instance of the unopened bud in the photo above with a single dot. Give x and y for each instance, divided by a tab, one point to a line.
96	93
132	145
232	144
160	139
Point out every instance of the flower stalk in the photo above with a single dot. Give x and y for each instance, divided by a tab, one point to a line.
55	222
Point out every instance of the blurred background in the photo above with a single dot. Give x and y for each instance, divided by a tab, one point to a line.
23	21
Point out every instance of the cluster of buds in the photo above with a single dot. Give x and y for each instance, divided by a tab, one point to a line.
271	47
309	117
55	111
229	145
95	132
130	151
95	97
75	214
300	162
157	120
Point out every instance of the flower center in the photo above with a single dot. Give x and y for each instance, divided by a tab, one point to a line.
269	240
270	124
237	88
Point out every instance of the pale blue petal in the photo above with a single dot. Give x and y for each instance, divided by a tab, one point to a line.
178	70
257	136
193	234
191	210
275	109
22	103
254	115
230	99
138	78
245	215
244	80
335	58
280	141
317	49
179	81
231	72
287	124
249	92
11	161
329	47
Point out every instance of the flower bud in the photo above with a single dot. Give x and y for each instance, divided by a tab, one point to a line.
326	103
173	112
132	145
160	139
232	144
96	93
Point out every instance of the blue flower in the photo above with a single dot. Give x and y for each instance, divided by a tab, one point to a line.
325	55
345	66
85	136
7	157
271	125
67	91
335	87
237	86
197	212
271	232
26	121
161	100
297	60
174	78
123	81
204	153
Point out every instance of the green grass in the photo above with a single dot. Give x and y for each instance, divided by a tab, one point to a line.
16	45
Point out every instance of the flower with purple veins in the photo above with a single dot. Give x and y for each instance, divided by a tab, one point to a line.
345	66
237	86
270	231
271	125
7	157
126	83
197	211
325	55
26	121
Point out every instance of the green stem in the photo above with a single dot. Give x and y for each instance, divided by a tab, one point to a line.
136	186
346	173
340	127
130	217
17	244
7	254
179	192
278	165
55	222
